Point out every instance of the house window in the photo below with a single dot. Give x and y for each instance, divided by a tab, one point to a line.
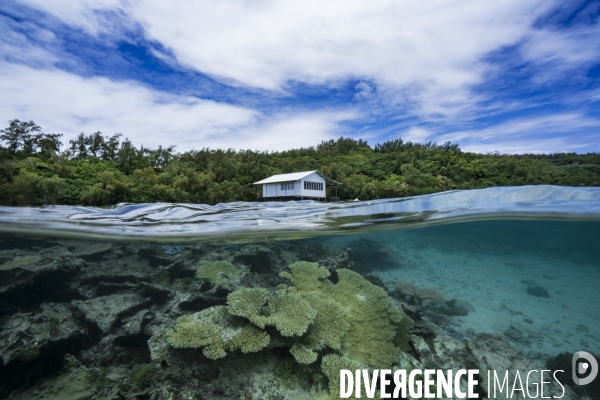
308	185
287	186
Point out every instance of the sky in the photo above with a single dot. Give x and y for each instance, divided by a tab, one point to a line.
511	76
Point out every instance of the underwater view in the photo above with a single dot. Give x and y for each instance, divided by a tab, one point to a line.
271	300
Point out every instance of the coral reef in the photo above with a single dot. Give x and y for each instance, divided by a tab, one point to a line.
406	289
131	320
353	317
220	273
216	331
20	261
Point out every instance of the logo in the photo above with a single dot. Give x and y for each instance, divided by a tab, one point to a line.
582	367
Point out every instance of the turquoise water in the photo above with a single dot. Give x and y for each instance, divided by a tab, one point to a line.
88	295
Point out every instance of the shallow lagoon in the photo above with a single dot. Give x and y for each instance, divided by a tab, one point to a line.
493	279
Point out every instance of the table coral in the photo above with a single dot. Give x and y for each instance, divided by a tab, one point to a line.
218	272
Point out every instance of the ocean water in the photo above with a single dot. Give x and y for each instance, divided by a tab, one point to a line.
496	278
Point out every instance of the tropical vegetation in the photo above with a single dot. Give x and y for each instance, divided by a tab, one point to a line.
37	168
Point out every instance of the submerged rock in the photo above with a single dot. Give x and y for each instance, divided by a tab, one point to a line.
371	255
105	311
493	353
75	382
258	258
32	345
536	290
343	259
406	289
452	308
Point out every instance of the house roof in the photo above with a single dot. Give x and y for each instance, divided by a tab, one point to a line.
294	177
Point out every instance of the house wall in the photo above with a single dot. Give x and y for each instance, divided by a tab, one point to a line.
274	189
314	177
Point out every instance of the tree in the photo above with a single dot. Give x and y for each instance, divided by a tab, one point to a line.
49	142
19	134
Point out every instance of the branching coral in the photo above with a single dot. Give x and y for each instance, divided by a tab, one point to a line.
248	303
353	318
331	365
372	318
303	355
218	272
216	332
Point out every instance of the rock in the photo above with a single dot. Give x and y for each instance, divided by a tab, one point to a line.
156	255
105	311
28	284
75	382
342	259
493	353
452	308
537	291
405	289
91	251
256	257
32	345
370	255
563	362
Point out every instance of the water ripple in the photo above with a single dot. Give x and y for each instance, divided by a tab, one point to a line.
242	220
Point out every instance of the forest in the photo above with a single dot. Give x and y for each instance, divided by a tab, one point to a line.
37	169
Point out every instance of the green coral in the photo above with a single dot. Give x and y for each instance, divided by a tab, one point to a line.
217	332
19	261
352	318
331	365
249	340
248	303
218	272
373	319
288	312
306	276
303	355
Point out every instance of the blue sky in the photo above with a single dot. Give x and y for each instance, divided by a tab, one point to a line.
514	77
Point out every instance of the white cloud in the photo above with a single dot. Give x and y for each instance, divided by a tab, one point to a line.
61	102
411	58
554	133
416	135
421	55
86	14
561	51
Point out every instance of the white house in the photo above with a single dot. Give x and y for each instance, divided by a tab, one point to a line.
298	185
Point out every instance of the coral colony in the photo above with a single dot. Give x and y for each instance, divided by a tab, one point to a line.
313	316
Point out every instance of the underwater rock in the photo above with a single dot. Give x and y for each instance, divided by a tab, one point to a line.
156	256
257	257
343	259
537	291
492	353
371	255
534	289
522	335
27	285
75	382
91	251
452	308
32	345
105	311
563	362
420	294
